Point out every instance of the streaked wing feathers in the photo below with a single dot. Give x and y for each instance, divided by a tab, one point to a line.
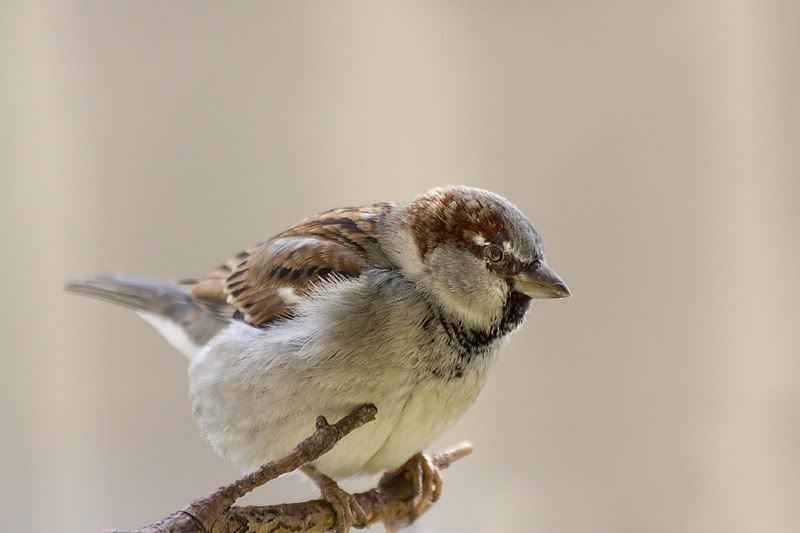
265	282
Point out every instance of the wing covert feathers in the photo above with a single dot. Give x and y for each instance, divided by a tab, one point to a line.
267	281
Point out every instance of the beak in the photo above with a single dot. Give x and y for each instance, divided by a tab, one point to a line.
540	281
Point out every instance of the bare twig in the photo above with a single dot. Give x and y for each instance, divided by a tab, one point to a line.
391	501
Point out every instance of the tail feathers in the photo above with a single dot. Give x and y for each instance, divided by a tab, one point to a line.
136	293
166	306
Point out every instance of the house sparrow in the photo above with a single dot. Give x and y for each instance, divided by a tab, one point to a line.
401	306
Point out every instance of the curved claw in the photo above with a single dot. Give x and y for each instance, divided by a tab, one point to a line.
427	482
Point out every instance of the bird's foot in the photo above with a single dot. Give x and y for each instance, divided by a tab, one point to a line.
348	511
424	477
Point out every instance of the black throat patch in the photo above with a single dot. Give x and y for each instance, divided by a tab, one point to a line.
472	342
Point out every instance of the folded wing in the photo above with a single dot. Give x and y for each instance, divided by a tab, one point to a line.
266	282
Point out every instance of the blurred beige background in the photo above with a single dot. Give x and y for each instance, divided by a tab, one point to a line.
653	143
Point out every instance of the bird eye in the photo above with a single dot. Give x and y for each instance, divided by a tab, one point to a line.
493	253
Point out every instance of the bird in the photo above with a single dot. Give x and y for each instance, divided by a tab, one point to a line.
400	305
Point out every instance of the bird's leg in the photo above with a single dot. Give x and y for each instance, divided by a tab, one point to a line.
347	509
425	477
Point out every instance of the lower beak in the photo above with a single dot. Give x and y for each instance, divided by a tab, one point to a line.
541	282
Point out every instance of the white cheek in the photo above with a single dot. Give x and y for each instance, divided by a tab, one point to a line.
478	309
466	288
486	302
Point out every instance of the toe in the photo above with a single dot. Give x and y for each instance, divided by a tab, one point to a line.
437	485
418	479
357	513
341	507
427	484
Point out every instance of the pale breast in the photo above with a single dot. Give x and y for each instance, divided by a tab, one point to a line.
428	410
257	392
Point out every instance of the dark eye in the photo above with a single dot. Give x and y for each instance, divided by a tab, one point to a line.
493	253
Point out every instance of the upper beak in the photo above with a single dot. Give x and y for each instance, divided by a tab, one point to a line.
541	281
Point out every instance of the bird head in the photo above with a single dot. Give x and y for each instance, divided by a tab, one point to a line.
474	252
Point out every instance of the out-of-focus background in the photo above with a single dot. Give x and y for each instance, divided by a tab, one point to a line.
653	143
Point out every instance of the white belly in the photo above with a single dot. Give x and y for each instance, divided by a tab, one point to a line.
254	402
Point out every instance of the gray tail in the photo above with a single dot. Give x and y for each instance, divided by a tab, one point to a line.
166	306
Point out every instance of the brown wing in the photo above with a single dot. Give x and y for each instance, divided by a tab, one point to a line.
267	281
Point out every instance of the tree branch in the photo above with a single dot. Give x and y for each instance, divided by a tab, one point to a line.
391	501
